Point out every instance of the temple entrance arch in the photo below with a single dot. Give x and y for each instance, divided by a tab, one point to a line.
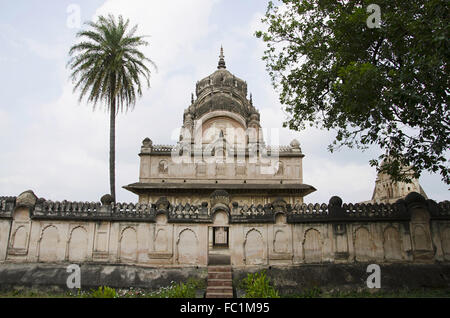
219	239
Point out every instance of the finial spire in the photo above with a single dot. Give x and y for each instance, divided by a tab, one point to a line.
221	59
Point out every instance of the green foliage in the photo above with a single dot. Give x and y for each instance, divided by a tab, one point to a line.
257	285
386	86
108	66
180	290
101	292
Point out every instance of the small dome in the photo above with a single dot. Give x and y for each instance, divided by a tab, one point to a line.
335	201
147	142
295	144
221	78
224	79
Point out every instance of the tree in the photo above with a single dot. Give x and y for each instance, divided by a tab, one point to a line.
385	86
107	66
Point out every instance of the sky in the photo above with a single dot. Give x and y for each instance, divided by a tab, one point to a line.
58	147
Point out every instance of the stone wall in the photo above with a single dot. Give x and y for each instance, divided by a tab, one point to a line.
33	230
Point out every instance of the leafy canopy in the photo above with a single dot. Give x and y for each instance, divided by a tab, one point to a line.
107	64
386	86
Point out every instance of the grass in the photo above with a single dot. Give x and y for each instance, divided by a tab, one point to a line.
174	290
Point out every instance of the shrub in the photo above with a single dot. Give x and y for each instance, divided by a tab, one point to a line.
257	285
102	292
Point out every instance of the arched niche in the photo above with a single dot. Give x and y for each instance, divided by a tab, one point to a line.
161	241
254	248
187	247
49	244
363	244
312	246
20	238
78	244
220	218
392	244
281	242
128	244
214	125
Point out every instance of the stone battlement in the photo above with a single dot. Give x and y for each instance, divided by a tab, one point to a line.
335	211
165	233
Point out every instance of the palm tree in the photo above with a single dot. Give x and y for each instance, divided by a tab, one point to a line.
107	66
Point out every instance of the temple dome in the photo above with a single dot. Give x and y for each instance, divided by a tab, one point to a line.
221	79
222	91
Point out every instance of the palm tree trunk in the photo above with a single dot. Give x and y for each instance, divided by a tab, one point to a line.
112	148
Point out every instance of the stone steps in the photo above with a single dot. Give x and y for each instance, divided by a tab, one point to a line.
220	284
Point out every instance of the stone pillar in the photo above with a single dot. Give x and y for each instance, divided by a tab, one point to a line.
419	225
20	243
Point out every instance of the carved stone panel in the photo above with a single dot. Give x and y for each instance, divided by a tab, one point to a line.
128	244
187	247
421	236
163	167
78	244
254	248
101	240
392	244
445	239
312	246
281	242
364	246
49	243
20	232
162	239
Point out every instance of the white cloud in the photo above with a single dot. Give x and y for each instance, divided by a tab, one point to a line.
63	153
44	50
352	182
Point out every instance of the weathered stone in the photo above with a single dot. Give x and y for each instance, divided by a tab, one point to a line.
26	199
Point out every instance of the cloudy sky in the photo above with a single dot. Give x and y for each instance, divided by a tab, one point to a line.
58	147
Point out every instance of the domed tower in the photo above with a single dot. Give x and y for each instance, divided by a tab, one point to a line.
221	147
221	107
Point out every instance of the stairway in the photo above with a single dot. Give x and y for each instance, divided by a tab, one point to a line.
220	284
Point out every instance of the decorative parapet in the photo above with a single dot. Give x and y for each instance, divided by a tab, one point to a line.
335	211
7	206
162	148
279	149
439	210
252	214
168	149
91	211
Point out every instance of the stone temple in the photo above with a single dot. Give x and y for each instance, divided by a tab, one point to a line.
221	195
221	147
221	153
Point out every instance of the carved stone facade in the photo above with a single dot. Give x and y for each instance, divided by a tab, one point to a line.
278	233
388	191
221	195
221	146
